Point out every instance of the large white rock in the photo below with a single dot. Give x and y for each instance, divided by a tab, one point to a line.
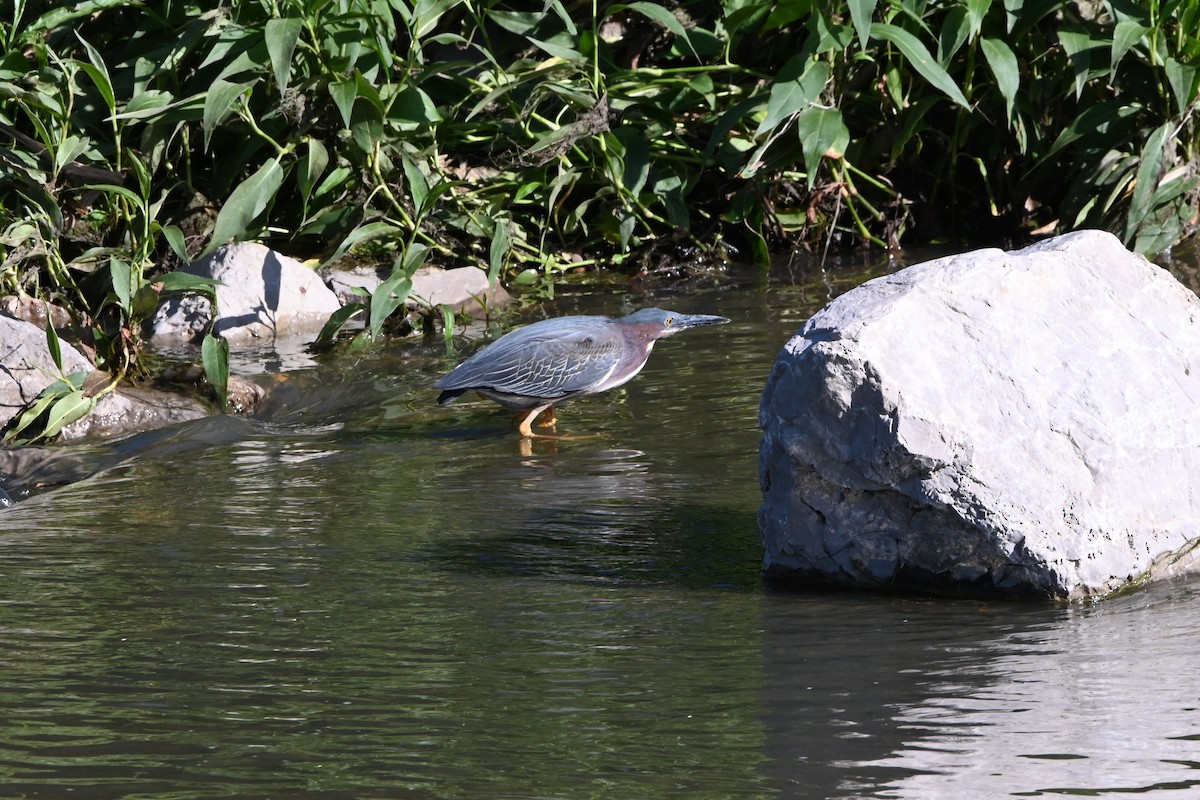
1019	423
266	295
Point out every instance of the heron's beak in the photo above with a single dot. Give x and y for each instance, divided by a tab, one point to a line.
682	322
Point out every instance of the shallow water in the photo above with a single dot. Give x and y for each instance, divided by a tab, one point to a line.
362	595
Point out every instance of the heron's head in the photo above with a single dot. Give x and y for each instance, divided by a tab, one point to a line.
655	323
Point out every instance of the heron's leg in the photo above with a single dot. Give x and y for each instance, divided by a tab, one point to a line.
549	420
526	426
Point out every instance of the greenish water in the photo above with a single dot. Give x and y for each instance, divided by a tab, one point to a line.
362	595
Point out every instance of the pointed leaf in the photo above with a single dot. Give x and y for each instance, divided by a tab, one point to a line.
97	70
214	357
122	282
1182	78
344	94
822	133
281	36
52	342
1004	66
337	319
1126	34
792	97
919	59
976	11
663	16
218	103
66	410
311	167
362	233
175	241
1148	173
501	244
861	12
246	202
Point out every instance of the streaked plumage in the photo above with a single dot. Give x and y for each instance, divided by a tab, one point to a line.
540	366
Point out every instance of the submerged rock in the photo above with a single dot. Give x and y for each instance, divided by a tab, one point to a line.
266	295
990	423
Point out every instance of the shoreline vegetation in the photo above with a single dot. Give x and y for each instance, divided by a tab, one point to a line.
139	135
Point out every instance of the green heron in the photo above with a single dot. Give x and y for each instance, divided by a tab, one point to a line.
535	368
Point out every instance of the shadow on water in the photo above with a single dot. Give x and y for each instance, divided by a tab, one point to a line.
362	595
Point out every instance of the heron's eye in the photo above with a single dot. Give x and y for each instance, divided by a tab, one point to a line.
669	321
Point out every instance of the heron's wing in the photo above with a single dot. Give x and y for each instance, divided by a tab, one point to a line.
547	361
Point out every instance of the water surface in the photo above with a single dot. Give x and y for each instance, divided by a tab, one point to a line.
362	595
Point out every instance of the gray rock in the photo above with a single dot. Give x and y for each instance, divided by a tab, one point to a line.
990	423
26	367
129	409
265	295
464	289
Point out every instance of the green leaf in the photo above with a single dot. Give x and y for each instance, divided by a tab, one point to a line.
557	50
919	59
1148	172
309	169
281	36
175	241
97	70
976	11
52	343
1077	45
218	103
418	184
1126	34
187	282
66	410
1003	63
249	199
362	233
337	319
792	97
956	29
823	133
393	292
122	283
662	16
1182	78
414	107
861	12
344	94
501	244
214	357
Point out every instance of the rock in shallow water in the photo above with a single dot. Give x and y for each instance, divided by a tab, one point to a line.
991	423
265	296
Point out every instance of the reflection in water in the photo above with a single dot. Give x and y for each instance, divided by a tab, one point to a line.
361	595
917	699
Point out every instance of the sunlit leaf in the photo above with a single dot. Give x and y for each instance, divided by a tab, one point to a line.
1003	63
214	357
1126	34
919	59
249	199
66	410
218	104
861	12
823	133
1149	170
281	36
